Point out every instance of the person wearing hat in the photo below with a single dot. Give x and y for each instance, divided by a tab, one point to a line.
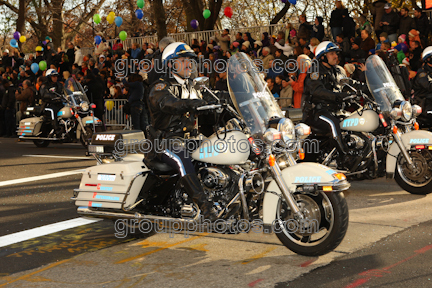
356	53
422	24
390	22
257	48
406	21
245	47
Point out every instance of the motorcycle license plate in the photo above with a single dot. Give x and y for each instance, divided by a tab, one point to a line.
106	177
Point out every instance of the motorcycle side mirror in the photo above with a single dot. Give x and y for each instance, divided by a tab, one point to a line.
200	82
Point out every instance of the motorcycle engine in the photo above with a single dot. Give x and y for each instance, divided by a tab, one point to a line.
354	142
220	185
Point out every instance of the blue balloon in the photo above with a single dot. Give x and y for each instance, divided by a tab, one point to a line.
98	39
13	43
118	21
139	13
293	2
34	67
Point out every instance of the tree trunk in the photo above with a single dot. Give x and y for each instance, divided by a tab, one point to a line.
281	14
159	16
21	16
57	34
214	7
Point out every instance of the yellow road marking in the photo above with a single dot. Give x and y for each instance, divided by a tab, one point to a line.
159	249
259	256
24	277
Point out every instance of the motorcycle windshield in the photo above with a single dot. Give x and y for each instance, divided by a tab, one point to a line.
381	83
250	94
74	90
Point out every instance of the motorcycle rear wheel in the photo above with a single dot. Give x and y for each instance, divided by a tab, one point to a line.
419	182
41	143
328	215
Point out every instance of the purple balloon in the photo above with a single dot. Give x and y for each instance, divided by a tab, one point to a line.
17	35
284	1
44	42
194	24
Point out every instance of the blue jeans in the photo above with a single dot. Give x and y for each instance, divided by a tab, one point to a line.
139	117
335	32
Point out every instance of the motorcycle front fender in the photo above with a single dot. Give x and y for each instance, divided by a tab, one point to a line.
415	137
309	174
88	120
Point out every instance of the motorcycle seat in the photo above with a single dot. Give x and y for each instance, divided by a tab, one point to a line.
157	165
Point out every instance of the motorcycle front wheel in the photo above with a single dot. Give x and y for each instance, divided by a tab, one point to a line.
41	143
322	230
419	181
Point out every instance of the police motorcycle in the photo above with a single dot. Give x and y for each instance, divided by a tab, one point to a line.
382	135
76	119
255	183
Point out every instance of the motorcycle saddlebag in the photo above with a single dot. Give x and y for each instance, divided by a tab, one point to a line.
110	185
30	126
120	141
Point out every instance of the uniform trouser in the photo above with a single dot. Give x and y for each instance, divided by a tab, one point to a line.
325	121
139	117
10	122
56	108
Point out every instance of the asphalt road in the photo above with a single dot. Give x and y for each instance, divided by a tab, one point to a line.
384	230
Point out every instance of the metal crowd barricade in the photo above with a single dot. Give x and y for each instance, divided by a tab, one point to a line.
114	116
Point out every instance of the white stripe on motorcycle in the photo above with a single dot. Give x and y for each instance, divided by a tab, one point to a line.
61	157
41	177
44	230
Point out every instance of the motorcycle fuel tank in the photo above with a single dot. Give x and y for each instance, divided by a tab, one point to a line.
368	121
234	148
64	113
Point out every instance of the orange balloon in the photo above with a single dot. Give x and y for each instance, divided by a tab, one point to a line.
85	58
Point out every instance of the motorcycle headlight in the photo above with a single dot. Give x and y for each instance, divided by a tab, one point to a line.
84	106
286	128
396	113
406	111
271	135
416	110
302	130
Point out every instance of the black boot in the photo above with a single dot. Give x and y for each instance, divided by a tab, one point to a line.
344	159
340	146
194	189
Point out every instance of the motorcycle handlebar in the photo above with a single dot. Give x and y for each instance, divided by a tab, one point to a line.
208	107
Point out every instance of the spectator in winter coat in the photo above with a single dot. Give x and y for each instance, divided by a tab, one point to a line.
287	49
135	52
336	20
406	22
390	22
223	40
318	29
78	56
265	39
266	57
356	53
378	11
422	25
367	42
26	96
286	93
305	28
349	25
71	54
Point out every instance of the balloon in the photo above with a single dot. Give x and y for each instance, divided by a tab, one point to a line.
17	35
293	2
42	65
23	39
123	35
119	21
110	18
229	12
112	13
140	3
96	18
13	43
139	13
44	42
284	1
206	13
39	48
194	24
34	67
98	39
109	105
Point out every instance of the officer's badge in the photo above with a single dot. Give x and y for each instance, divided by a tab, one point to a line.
423	74
314	76
160	86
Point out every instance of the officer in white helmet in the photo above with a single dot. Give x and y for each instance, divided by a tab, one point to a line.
172	103
423	88
52	100
322	95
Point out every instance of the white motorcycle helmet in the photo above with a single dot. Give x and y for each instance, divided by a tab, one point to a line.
176	50
51	72
325	47
426	55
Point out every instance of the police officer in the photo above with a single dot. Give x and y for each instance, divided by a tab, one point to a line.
423	88
52	100
172	103
322	95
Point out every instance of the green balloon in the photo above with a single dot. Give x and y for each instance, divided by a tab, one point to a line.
96	18
42	65
123	35
206	13
140	3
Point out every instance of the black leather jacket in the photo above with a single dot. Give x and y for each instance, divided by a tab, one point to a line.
171	114
423	85
49	97
322	91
